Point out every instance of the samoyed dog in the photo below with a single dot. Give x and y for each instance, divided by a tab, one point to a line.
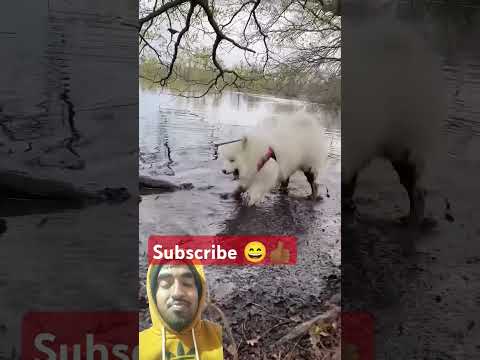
273	152
392	108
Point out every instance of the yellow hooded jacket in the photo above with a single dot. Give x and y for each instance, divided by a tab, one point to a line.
201	340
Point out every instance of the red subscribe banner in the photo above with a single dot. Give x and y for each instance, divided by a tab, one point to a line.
358	331
80	335
223	250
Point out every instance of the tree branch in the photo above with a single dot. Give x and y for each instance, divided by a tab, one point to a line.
216	27
301	39
177	42
161	10
267	51
151	47
237	12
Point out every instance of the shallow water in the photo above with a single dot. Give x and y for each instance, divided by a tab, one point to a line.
177	134
59	57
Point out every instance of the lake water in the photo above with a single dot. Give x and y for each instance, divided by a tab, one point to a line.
58	57
177	134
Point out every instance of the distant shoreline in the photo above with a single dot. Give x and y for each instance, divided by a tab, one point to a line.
300	98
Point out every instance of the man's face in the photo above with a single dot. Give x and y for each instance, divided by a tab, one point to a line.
177	297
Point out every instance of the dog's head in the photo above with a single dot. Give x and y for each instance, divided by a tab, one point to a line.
233	156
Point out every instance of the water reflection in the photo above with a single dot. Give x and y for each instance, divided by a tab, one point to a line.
177	134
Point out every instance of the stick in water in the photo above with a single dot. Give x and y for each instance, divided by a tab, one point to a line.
227	142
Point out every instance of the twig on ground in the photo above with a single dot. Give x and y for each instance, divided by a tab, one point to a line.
301	329
269	312
228	329
275	326
287	356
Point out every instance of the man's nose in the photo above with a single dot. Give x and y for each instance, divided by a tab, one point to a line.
178	290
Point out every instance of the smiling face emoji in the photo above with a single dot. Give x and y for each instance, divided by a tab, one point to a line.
255	252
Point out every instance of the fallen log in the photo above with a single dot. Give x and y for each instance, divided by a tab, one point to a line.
16	184
22	185
149	185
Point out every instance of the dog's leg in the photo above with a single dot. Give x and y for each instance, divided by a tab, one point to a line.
284	186
311	180
253	197
408	175
348	189
237	193
256	192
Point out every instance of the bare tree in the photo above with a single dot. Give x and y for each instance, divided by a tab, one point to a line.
310	36
262	36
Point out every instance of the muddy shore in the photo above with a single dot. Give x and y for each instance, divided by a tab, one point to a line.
261	303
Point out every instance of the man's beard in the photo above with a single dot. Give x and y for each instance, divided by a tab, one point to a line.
176	322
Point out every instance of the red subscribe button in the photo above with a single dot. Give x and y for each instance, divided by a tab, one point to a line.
80	336
223	250
357	336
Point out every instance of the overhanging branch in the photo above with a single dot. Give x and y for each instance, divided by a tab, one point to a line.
161	10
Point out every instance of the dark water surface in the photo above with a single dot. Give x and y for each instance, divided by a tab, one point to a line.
425	306
68	112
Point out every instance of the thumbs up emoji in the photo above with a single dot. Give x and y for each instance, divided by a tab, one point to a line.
351	352
280	255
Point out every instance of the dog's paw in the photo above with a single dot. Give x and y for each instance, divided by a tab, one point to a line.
348	206
252	198
426	224
249	201
315	197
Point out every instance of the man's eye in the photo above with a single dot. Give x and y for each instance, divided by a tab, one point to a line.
188	283
164	284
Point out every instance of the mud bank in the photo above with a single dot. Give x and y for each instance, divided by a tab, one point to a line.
426	299
262	304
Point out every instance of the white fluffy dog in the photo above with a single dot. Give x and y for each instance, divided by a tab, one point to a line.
276	150
393	111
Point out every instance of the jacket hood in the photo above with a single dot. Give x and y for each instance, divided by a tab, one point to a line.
200	340
157	321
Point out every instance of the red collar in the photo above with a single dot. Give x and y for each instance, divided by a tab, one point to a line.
269	154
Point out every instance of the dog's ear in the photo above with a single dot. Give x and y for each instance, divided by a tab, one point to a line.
244	141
